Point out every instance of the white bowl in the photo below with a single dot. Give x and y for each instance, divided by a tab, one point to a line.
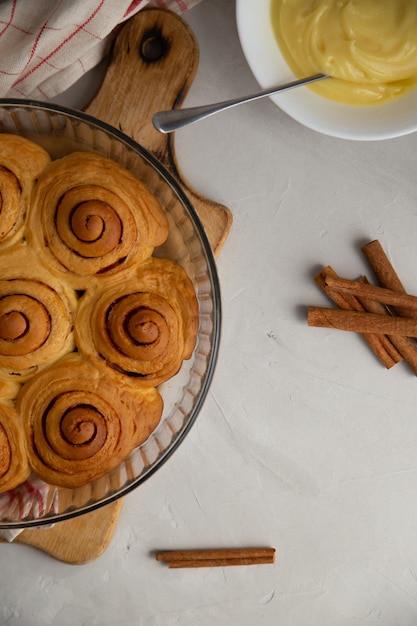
338	120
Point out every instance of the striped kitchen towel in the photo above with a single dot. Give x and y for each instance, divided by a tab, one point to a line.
33	500
47	46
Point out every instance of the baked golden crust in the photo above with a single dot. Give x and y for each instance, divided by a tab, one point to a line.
90	322
37	314
80	424
91	218
141	328
21	162
14	466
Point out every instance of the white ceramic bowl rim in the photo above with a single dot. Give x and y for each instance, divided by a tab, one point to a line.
303	105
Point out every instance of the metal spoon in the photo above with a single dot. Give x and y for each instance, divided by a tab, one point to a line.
168	121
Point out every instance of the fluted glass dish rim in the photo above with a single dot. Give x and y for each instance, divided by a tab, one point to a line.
199	231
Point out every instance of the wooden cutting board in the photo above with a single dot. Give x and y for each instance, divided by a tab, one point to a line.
151	68
153	64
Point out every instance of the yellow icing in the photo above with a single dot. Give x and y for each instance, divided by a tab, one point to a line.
368	47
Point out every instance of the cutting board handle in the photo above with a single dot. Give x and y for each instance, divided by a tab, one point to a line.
151	68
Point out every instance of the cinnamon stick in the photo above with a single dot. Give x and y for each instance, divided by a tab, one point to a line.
381	345
403	345
382	267
408	350
388	277
391	338
259	560
385	272
372	292
217	557
362	322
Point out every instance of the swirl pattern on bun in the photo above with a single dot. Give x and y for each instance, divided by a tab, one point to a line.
142	328
79	424
95	217
36	315
14	466
21	162
90	321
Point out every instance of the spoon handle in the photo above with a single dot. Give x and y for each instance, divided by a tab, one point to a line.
168	121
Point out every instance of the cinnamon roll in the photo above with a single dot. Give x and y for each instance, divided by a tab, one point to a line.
36	315
142	328
79	424
92	218
14	466
90	322
21	162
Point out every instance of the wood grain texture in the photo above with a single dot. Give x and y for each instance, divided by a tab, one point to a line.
79	540
136	86
133	90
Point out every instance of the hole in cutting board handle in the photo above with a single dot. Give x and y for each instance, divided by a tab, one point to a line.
153	46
